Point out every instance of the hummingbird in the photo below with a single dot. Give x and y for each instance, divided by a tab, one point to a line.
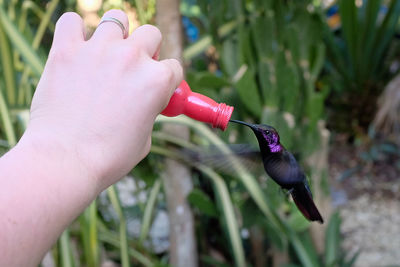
283	168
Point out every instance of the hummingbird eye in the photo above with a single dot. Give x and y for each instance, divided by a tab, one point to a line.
267	132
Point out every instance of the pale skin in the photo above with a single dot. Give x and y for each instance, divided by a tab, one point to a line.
91	120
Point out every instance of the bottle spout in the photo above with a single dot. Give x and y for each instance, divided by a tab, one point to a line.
222	117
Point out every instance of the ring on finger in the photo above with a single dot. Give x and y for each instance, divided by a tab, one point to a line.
116	21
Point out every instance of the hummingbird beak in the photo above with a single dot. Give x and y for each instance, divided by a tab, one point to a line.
244	123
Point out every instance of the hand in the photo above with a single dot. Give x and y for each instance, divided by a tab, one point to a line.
97	100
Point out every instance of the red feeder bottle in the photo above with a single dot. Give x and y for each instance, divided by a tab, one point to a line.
198	107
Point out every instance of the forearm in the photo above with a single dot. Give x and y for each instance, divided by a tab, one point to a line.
90	123
42	190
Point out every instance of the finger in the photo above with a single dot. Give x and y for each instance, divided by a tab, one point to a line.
147	38
176	72
69	29
114	25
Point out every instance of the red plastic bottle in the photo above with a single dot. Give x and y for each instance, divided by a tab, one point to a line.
198	107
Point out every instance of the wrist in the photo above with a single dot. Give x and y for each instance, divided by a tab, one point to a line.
54	157
44	189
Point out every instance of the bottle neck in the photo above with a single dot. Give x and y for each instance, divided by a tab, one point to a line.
198	107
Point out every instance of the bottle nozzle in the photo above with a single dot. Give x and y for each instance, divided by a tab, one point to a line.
222	117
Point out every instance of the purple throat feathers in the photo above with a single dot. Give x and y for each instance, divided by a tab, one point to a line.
275	148
273	142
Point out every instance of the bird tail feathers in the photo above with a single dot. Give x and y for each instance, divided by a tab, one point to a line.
302	197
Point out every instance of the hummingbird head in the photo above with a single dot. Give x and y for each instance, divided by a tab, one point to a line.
266	135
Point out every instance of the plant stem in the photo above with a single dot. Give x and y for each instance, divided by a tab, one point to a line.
7	122
112	194
146	223
66	254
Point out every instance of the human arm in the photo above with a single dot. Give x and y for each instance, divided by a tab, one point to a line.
91	122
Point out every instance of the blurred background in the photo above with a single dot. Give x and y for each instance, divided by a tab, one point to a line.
324	73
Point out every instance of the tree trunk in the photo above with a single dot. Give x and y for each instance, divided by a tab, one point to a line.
177	177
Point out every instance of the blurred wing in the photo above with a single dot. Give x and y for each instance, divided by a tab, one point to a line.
211	156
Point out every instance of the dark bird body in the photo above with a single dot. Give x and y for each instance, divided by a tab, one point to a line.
283	168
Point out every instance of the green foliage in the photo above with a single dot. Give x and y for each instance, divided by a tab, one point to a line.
22	60
148	212
332	242
203	202
89	232
272	60
270	65
67	259
247	90
113	196
358	66
334	256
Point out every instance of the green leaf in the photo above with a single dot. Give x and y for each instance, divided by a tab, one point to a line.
309	249
332	240
296	46
201	45
88	228
370	30
385	33
263	35
351	262
297	222
229	59
316	62
266	70
7	65
348	15
21	44
303	248
211	261
277	238
246	49
288	82
124	248
67	259
112	238
315	107
201	201
197	48
338	59
248	92
7	123
226	206
148	211
200	80
302	31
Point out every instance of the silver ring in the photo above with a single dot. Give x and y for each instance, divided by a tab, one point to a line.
119	23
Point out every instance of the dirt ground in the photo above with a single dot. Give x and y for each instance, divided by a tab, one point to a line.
367	195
